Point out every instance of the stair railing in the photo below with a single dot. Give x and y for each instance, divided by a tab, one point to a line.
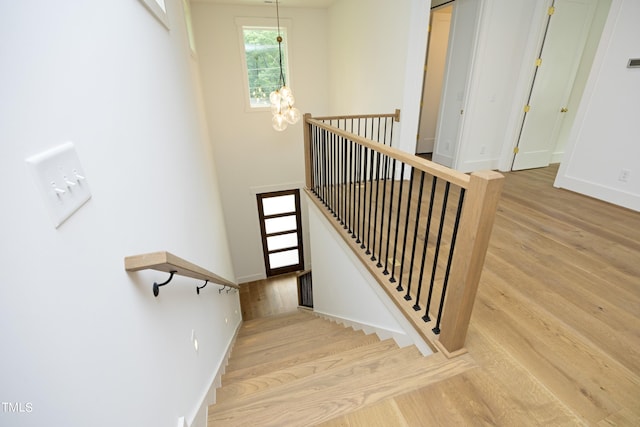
420	228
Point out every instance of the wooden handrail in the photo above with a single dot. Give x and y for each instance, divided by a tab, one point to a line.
395	115
169	263
458	178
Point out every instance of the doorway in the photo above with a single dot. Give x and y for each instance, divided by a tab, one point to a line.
434	69
281	230
559	56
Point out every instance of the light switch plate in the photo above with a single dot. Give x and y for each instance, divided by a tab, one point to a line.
61	181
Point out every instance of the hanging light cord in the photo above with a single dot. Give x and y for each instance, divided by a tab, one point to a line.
279	39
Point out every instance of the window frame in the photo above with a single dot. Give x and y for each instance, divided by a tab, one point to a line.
264	235
285	24
158	8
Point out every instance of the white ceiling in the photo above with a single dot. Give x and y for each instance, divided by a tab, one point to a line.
282	3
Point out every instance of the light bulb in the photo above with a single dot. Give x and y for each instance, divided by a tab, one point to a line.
285	92
292	115
290	100
276	108
275	97
279	122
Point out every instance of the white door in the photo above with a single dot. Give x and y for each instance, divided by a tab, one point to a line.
433	78
454	92
559	59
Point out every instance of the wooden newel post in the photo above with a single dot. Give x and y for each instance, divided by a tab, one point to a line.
308	176
479	211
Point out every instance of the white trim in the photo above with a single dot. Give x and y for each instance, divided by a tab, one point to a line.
255	190
599	191
199	418
158	11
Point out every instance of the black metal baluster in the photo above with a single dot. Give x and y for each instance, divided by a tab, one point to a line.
332	137
321	164
445	198
432	197
360	189
436	330
384	198
326	172
314	158
356	218
344	182
395	240
375	214
348	183
386	255
368	251
365	163
415	235
406	232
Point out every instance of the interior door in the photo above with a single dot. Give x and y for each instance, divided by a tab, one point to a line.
433	78
559	58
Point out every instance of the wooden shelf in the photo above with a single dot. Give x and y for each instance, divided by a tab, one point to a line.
167	262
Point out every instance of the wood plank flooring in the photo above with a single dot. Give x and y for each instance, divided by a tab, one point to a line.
555	332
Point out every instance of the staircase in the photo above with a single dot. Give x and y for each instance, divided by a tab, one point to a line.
300	370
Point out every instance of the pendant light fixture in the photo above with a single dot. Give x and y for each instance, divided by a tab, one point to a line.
282	100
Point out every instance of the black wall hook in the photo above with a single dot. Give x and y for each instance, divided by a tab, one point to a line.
156	286
201	287
222	289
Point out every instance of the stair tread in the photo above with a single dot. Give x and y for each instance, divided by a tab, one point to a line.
328	348
259	341
276	321
334	392
291	373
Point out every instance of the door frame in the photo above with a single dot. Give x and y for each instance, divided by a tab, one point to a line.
270	272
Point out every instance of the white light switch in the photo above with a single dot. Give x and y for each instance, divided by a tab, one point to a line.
61	181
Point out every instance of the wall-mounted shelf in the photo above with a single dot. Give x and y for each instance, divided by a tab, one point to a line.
169	263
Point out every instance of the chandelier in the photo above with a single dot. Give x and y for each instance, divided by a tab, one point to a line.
282	100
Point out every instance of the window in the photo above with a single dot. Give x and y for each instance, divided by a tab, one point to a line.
281	230
159	10
261	60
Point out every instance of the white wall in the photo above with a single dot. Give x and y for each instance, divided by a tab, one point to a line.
344	290
604	139
377	50
83	341
252	157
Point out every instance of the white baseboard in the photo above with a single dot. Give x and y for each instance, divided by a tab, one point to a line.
209	398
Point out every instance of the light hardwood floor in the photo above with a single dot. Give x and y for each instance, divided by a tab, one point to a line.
555	331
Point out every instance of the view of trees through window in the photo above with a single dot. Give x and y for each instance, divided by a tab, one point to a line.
262	59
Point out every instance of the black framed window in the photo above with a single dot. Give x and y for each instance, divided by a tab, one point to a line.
281	229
